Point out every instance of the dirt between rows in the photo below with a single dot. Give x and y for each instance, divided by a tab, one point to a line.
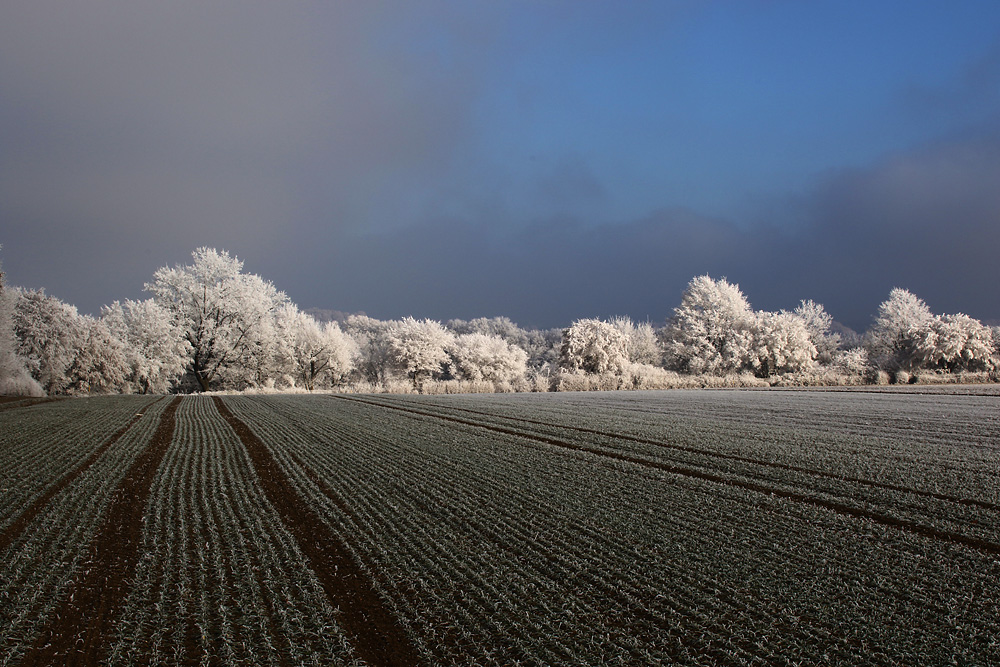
78	630
376	635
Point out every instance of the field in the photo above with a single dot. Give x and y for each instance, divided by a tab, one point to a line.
711	527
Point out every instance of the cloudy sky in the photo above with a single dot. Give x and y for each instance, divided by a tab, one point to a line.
543	160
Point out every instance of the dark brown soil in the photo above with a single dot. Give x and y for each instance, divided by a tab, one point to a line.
80	627
376	635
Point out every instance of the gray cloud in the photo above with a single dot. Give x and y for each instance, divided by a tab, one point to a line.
926	221
141	130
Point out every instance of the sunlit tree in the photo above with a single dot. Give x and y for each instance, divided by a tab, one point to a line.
712	329
479	356
420	348
225	315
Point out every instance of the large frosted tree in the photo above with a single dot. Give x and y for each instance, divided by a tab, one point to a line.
420	347
712	329
49	333
596	347
313	353
377	360
901	322
956	343
781	343
225	315
479	356
155	347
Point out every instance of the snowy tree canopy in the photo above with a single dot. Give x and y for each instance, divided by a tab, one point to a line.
420	347
49	334
376	359
226	316
14	377
781	343
101	364
593	346
955	343
643	346
313	353
891	341
712	329
478	356
156	349
818	323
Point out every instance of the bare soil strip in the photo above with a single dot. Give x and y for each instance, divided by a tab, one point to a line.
968	502
81	626
840	508
376	635
10	534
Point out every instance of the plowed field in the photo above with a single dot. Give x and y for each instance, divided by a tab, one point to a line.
682	527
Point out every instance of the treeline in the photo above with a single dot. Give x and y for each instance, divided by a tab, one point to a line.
210	326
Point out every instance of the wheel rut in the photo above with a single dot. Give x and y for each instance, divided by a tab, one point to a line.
840	508
376	635
80	628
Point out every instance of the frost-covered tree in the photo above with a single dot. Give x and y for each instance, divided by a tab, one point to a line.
14	377
643	346
712	329
542	347
501	327
101	363
892	340
479	356
593	346
377	361
155	347
955	343
780	343
819	322
49	335
314	354
420	347
226	316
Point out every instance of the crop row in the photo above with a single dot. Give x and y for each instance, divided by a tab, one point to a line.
928	483
220	579
498	548
40	445
40	558
686	527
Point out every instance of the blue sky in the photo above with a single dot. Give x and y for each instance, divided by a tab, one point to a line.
540	160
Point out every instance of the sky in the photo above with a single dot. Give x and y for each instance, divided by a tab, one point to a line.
541	160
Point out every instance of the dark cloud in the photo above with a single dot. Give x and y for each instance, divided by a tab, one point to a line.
137	131
928	221
461	159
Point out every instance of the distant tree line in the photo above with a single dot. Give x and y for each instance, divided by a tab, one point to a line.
210	326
